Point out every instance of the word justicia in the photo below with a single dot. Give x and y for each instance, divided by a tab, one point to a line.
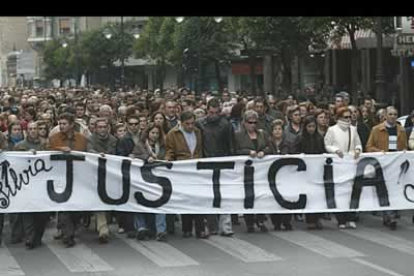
226	184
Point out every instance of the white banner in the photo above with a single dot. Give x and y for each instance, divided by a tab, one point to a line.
52	181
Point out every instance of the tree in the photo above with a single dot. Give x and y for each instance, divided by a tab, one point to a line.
56	59
156	44
206	42
333	27
282	37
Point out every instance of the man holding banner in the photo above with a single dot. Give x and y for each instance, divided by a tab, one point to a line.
217	142
185	142
67	140
102	142
388	136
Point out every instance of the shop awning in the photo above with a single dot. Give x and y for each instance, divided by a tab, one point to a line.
365	39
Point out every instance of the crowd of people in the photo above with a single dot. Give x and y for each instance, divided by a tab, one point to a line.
180	125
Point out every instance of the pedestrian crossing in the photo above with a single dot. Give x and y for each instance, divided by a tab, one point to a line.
87	258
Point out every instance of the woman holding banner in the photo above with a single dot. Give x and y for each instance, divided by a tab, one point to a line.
341	139
253	142
151	149
311	142
279	145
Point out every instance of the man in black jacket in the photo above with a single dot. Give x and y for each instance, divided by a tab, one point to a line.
217	142
125	147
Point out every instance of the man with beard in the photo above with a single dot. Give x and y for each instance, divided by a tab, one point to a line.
103	143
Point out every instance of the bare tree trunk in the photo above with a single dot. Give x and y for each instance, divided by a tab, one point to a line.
354	68
252	64
218	76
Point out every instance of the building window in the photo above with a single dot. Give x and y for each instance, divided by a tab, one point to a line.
64	26
39	27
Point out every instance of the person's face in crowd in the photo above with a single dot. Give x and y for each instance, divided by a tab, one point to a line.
346	117
188	125
303	111
91	125
365	112
259	108
321	120
105	114
50	112
296	117
16	131
143	123
277	132
226	97
32	131
354	114
391	116
339	102
272	103
28	117
80	112
65	126
311	128
154	135
170	109
213	112
290	100
251	124
102	129
133	125
120	132
114	101
187	107
46	117
159	120
42	130
368	104
199	113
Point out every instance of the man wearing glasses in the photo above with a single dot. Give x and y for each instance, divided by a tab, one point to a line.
124	148
388	137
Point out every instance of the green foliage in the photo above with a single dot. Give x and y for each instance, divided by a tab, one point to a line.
57	60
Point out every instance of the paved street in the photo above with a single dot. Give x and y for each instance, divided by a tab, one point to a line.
370	250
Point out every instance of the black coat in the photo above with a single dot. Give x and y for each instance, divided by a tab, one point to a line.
217	137
125	145
310	144
283	148
363	132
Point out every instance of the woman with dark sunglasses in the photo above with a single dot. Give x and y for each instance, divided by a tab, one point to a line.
255	143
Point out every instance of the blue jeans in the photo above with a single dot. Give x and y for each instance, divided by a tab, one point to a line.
160	223
140	222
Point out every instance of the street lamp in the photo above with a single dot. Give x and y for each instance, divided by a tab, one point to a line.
217	19
135	33
64	44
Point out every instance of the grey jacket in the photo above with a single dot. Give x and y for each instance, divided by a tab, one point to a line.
98	145
290	135
141	152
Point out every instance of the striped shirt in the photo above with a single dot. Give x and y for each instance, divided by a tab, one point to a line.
392	138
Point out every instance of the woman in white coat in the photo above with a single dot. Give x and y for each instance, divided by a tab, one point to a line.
341	139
